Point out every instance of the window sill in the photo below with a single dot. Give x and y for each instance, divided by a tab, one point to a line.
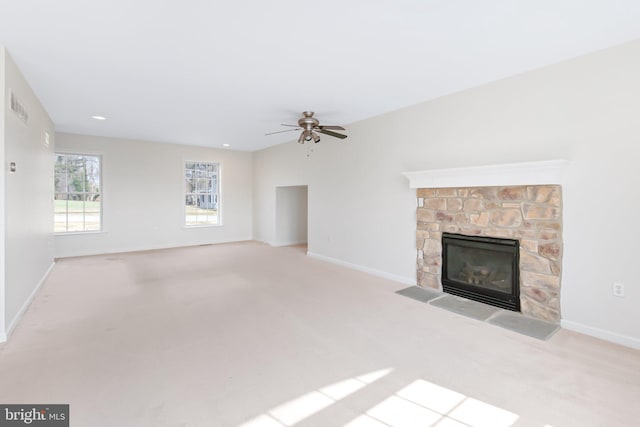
188	227
78	233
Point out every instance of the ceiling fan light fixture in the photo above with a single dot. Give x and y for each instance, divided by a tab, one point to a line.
311	128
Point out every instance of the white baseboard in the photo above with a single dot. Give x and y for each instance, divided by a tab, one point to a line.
613	337
298	242
396	278
130	249
16	319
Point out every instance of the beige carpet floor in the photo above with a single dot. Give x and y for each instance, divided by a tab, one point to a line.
248	335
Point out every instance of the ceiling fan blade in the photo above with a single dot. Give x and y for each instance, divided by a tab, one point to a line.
334	134
332	127
293	126
280	131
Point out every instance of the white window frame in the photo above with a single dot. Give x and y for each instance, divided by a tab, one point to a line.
101	229
218	165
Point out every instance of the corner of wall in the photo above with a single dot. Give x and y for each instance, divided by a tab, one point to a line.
3	335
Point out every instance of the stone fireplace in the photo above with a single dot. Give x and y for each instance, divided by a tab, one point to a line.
531	214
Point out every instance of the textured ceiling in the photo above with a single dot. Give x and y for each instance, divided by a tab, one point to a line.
208	72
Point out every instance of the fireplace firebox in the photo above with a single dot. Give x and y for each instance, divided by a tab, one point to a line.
483	269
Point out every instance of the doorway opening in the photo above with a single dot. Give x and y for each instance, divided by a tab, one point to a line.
291	215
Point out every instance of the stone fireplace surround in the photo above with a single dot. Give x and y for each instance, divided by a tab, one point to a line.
517	201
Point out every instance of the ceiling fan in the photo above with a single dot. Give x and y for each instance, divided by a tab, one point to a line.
311	127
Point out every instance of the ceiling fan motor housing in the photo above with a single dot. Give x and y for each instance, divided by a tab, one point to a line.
308	122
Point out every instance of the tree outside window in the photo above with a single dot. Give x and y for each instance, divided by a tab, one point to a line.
78	199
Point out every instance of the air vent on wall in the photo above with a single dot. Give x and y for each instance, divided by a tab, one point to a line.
18	108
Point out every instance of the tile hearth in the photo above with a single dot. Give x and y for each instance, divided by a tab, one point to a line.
506	319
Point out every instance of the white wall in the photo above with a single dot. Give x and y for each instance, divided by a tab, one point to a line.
5	166
586	110
291	215
143	196
28	196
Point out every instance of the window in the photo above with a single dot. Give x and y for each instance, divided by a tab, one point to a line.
78	205
202	205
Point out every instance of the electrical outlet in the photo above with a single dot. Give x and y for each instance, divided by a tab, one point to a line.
618	289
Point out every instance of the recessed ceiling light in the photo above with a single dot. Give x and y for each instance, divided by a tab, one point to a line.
99	117
226	145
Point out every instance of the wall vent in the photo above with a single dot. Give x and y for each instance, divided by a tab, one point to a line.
19	109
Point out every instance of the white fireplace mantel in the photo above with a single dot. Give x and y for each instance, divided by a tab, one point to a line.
529	173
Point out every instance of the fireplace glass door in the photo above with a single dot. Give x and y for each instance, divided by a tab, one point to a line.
484	269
